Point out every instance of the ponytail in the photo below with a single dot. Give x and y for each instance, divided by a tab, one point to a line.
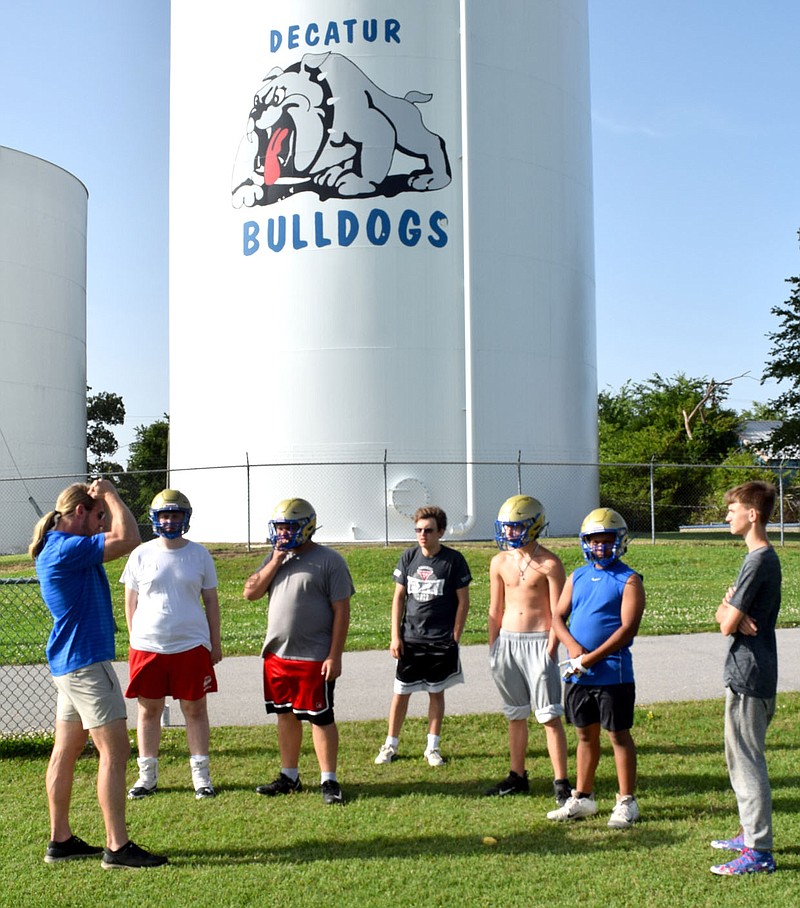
68	500
41	529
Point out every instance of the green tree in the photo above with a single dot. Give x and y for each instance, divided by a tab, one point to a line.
784	366
102	410
759	410
678	421
147	467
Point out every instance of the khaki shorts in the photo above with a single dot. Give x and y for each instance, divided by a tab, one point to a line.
90	695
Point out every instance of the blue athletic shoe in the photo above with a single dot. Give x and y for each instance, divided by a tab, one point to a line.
749	861
734	844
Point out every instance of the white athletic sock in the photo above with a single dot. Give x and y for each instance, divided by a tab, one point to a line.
293	774
327	777
200	772
148	772
392	742
433	742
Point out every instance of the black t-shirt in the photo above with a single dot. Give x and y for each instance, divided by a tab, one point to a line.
431	584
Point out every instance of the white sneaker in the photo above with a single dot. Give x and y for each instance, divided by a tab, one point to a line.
625	813
434	758
386	754
575	809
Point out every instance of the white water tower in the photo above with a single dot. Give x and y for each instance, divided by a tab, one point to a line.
381	247
43	213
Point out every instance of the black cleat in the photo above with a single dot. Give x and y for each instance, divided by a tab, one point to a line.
283	785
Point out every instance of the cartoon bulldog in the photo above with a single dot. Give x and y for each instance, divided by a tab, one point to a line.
322	125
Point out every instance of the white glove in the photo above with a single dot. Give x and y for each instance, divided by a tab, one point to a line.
573	668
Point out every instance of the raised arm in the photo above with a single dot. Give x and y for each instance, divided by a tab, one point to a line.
122	537
258	583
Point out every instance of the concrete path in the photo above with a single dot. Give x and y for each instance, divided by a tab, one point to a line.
679	667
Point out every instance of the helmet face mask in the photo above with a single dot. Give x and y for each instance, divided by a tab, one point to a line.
598	522
296	516
169	503
520	520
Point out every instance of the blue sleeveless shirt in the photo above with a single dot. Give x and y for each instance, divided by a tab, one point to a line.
596	614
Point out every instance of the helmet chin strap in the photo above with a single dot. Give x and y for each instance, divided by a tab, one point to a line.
297	531
604	560
168	534
160	530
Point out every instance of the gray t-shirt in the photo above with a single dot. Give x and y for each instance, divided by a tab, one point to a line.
300	619
751	666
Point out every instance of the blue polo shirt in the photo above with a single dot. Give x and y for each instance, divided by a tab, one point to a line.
75	588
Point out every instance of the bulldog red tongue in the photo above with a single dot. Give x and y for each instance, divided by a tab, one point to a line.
272	166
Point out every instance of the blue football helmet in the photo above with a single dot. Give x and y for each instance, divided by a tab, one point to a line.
163	503
604	520
301	518
525	515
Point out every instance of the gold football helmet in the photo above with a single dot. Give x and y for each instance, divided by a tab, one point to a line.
519	521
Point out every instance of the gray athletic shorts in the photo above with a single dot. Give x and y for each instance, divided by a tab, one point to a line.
90	695
526	676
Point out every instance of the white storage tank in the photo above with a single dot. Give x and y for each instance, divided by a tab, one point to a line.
381	252
43	326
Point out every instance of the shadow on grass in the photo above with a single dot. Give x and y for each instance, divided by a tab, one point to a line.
555	839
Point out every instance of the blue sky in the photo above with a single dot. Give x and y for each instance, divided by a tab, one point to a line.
697	185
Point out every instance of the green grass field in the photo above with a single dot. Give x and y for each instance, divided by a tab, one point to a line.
410	835
684	580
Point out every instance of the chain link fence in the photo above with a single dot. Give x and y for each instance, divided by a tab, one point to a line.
655	499
29	697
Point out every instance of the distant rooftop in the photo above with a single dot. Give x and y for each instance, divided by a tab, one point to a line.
757	431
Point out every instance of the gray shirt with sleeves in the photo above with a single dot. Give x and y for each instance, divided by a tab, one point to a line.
300	619
751	666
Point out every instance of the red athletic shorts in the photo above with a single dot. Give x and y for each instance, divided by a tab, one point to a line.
184	676
297	686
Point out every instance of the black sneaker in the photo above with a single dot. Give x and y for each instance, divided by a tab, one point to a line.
513	784
73	849
131	856
562	790
139	791
332	792
206	791
283	785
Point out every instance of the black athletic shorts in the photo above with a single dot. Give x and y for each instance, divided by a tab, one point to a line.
434	665
610	705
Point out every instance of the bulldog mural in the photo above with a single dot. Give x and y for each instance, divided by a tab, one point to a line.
321	125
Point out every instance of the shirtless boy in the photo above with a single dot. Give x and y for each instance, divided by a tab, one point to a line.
526	580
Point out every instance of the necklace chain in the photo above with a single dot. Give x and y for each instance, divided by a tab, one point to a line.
523	570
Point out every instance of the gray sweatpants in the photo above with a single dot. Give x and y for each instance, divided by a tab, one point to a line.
746	723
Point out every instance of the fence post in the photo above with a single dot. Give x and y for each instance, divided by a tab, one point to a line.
652	502
247	471
385	498
780	490
519	472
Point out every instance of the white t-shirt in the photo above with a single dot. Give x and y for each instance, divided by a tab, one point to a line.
169	617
